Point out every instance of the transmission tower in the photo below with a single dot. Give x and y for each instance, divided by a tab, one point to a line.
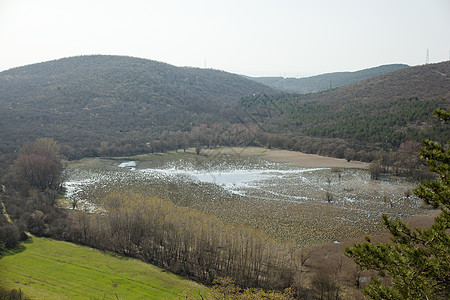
428	57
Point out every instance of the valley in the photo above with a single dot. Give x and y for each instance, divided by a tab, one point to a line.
213	176
291	203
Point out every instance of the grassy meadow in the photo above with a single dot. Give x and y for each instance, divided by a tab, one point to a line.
49	269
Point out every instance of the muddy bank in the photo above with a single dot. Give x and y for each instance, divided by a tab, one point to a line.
297	159
304	160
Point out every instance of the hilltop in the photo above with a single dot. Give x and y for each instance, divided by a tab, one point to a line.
88	99
325	82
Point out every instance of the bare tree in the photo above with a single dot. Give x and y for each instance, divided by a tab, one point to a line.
39	165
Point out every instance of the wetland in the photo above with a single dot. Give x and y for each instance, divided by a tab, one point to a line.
268	190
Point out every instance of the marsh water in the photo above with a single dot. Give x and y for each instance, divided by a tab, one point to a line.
303	204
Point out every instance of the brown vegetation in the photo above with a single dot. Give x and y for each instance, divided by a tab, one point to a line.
305	160
185	241
39	165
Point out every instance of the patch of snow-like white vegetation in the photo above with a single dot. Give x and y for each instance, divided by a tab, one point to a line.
128	164
233	180
356	200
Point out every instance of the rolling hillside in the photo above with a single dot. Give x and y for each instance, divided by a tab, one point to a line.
89	99
113	105
325	82
385	110
50	269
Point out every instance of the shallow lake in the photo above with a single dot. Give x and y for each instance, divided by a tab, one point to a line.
234	180
304	204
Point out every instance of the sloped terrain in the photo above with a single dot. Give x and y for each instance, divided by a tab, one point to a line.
325	82
50	269
89	99
125	103
385	110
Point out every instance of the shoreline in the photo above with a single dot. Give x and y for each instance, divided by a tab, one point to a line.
300	159
297	159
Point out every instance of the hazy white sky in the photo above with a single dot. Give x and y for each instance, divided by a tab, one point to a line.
291	38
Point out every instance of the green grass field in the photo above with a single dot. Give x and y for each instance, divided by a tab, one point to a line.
49	269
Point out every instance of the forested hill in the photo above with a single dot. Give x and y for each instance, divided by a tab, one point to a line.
325	82
382	111
89	99
114	105
426	82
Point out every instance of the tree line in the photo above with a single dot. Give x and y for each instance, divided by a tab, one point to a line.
185	241
403	161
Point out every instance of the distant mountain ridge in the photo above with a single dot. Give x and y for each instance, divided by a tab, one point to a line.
325	82
426	82
381	111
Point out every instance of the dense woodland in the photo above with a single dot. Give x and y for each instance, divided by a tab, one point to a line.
83	101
